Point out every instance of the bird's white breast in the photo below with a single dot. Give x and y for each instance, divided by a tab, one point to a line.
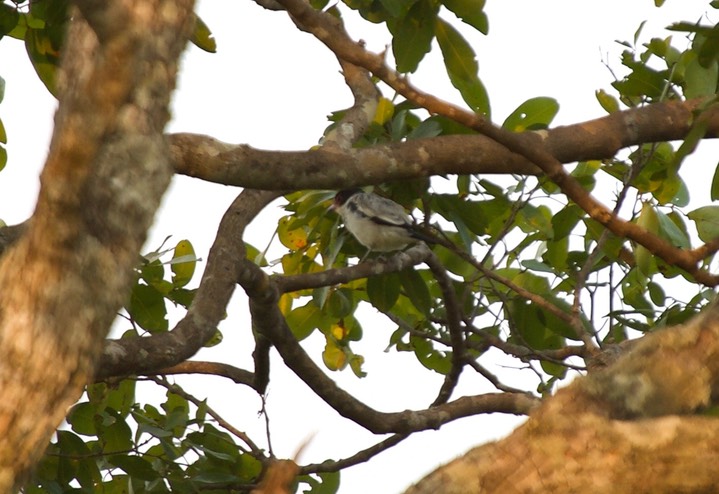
382	238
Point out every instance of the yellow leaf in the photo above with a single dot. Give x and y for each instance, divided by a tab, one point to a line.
333	356
285	303
183	263
385	111
649	220
292	238
339	331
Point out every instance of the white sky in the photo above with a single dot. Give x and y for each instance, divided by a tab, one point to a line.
271	86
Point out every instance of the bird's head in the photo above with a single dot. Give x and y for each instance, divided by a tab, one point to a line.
342	196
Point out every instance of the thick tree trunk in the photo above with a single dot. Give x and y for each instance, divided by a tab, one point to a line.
62	283
634	427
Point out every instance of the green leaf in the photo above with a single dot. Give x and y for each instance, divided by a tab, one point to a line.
9	17
565	220
206	477
215	339
649	220
428	128
44	55
429	357
183	263
135	466
412	35
531	219
182	296
153	272
556	254
699	80
82	418
714	193
3	157
462	68
530	323
202	37
416	290
328	483
607	101
116	437
642	81
303	320
147	308
397	8
338	304
533	114
383	291
254	255
534	265
670	231
707	222
656	293
470	11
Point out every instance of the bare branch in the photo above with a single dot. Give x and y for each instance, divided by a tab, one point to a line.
215	161
356	120
237	375
393	264
174	388
268	320
356	459
131	356
454	326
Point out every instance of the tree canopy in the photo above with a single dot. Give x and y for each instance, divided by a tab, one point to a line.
567	250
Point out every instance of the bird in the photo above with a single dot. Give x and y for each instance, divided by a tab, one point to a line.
378	223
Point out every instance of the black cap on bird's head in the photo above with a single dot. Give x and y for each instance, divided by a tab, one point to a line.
342	196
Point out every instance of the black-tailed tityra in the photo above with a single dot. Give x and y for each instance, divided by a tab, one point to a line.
378	223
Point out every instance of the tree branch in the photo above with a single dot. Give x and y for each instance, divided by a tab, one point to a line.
454	326
131	356
268	320
356	459
235	374
241	165
330	31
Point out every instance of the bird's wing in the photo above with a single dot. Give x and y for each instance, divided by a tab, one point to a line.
380	210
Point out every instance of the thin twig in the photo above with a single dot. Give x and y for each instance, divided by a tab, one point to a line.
174	388
454	327
355	459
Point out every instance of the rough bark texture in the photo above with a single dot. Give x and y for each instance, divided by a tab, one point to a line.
62	283
630	428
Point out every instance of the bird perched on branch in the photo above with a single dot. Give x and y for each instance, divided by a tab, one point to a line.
378	223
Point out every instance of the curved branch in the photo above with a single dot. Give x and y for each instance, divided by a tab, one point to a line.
235	374
454	325
174	388
356	119
268	320
355	459
132	356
